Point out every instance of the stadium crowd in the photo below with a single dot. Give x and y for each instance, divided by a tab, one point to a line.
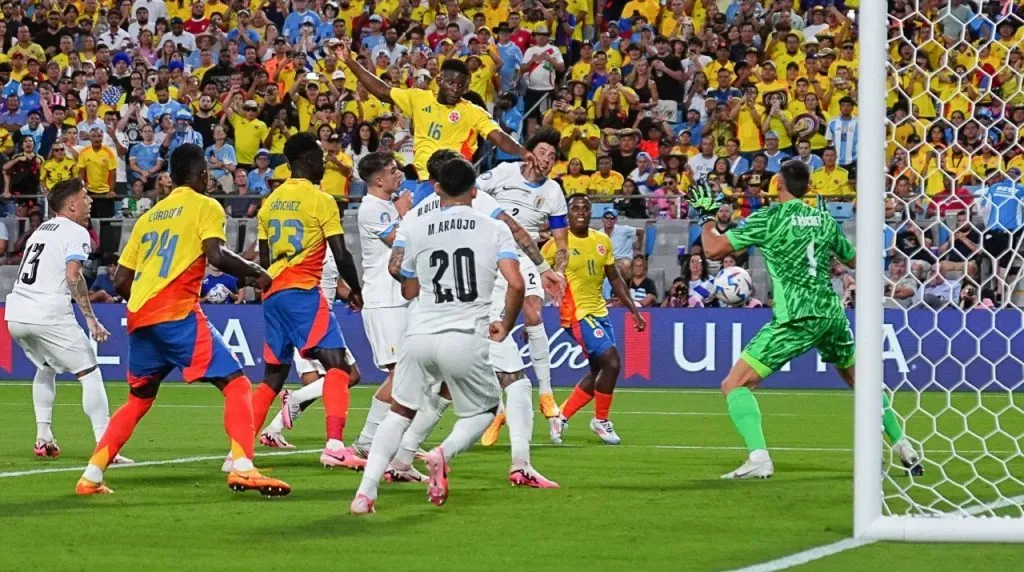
648	97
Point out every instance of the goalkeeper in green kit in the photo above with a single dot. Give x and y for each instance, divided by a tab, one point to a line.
797	242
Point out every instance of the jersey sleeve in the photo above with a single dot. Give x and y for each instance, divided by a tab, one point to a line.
211	221
548	252
261	222
376	220
488	182
130	252
843	248
609	253
409	258
506	244
559	216
486	204
328	216
483	123
754	233
77	245
402	99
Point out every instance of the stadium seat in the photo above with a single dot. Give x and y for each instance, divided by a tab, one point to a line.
841	211
762	283
231	232
126	231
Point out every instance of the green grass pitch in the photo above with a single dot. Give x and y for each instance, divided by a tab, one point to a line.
654	503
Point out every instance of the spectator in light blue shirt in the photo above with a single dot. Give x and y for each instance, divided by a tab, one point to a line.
163	104
33	128
145	157
299	15
803	154
623	239
511	121
771	151
259	178
374	37
222	159
511	58
15	116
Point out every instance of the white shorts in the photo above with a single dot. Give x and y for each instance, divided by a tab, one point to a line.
385	328
505	356
530	277
304	366
460	359
60	347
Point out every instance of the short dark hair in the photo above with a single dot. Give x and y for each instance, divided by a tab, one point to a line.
373	163
187	161
300	145
63	191
796	177
543	135
457	66
438	160
457	177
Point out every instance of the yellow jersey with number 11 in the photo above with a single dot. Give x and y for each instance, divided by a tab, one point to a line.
436	126
588	258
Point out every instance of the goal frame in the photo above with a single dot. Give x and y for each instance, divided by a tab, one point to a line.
868	521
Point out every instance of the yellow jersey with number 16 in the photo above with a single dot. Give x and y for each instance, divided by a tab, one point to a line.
296	219
588	258
436	126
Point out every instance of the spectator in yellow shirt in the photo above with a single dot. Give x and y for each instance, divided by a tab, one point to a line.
581	140
575	180
831	180
605	182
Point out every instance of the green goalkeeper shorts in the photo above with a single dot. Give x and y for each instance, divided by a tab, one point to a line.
777	343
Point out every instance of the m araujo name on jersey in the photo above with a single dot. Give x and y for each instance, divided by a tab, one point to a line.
680	348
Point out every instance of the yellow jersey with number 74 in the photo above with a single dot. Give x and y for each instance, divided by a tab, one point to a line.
436	126
296	220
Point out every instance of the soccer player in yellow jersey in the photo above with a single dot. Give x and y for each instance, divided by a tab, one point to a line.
585	317
161	270
297	224
442	121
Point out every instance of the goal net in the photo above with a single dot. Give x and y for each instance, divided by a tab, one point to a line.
946	345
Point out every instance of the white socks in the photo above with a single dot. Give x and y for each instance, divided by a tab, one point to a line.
467	430
385	445
94	402
422	425
378	411
44	391
306	393
539	356
519	416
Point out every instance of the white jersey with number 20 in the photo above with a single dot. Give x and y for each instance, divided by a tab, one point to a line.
454	253
40	294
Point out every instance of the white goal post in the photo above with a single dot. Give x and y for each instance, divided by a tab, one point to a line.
990	507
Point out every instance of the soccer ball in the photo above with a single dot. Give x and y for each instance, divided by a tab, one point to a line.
733	286
219	294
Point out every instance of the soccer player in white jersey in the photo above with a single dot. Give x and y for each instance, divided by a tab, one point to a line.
533	200
311	373
40	318
453	256
505	359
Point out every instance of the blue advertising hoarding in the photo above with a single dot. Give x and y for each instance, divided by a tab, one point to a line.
681	348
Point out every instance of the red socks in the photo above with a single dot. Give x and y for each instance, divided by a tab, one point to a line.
577	399
262	399
602	403
119	430
336	398
238	401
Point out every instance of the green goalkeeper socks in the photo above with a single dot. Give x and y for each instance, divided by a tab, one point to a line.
746	416
890	423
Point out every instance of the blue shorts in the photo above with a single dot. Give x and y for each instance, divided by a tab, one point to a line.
301	319
190	343
423	191
593	334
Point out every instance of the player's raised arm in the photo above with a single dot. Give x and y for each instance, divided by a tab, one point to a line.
370	81
218	254
701	197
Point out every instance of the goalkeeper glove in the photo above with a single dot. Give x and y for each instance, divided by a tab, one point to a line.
701	197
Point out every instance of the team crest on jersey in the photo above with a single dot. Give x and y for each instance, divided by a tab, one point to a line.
598	333
86	248
454	117
385	218
539	202
601	250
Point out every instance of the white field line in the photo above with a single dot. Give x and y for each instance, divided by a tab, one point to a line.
820	552
180	460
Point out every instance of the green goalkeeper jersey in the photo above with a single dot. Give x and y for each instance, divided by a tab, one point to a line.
797	242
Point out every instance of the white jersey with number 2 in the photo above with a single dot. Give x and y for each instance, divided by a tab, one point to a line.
533	206
454	253
40	294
